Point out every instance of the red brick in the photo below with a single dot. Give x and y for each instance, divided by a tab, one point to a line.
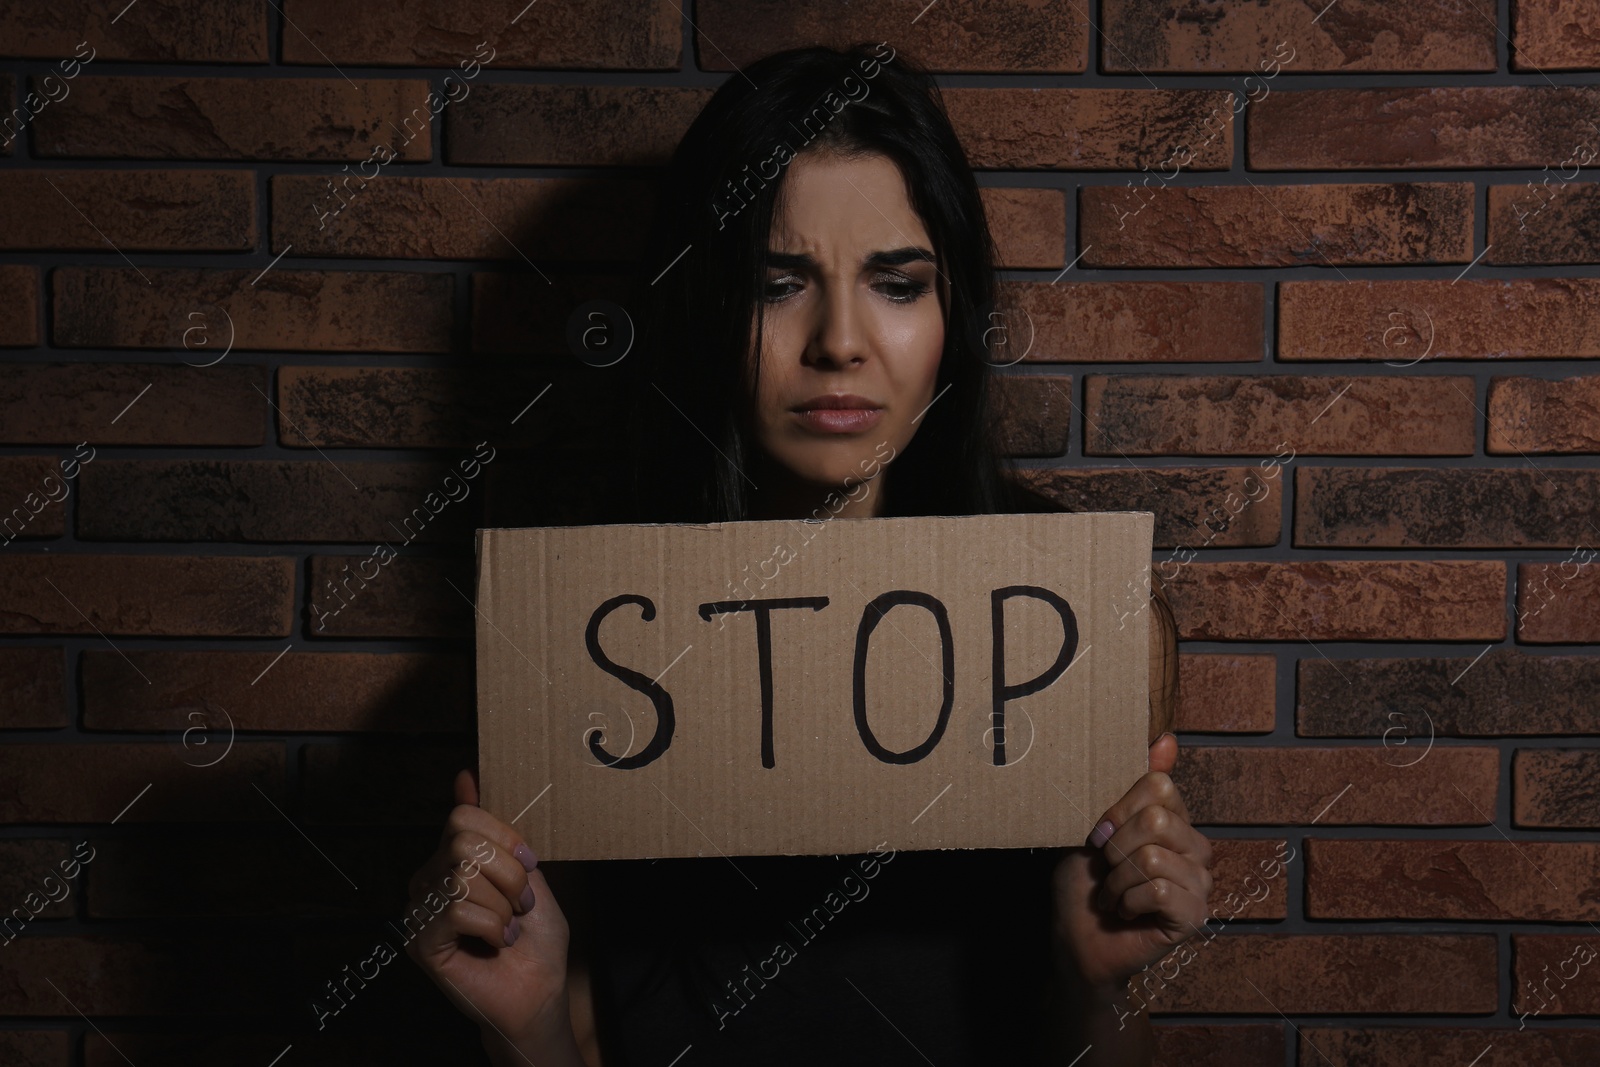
1249	415
33	689
417	407
1443	507
1119	322
1340	600
606	34
1544	415
1293	974
1439	1046
1497	693
213	31
1089	129
147	596
274	501
35	1048
392	785
1559	603
1029	226
1555	35
1034	413
570	125
150	117
19	305
128	210
102	783
1558	788
1495	880
33	495
1218	1045
131	404
1250	878
1196	507
1552	222
1193	36
1277	226
170	974
529	220
413	692
299	310
1555	974
1003	36
1405	322
411	596
1223	693
1476	126
39	876
1355	785
8	133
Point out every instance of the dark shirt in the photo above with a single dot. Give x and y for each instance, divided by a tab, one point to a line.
877	958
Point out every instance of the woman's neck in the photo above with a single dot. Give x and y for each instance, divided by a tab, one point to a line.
782	496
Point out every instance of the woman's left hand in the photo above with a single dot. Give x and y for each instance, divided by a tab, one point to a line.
1131	899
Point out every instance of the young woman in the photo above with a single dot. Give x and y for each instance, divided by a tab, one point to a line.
816	301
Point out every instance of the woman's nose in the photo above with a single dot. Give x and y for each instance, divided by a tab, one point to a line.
837	339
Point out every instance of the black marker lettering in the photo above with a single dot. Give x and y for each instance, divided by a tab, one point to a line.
874	612
763	610
633	680
1002	692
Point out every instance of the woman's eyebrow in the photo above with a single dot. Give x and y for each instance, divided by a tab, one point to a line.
893	257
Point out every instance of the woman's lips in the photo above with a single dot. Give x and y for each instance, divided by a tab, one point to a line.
839	420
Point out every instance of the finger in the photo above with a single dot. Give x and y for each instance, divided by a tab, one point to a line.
473	858
1174	905
1146	864
466	787
468	818
1155	788
440	881
487	895
465	791
1164	752
463	918
1158	825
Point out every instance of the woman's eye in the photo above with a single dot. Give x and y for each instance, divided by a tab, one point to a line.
904	292
900	291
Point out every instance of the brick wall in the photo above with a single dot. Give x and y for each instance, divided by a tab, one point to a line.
1314	284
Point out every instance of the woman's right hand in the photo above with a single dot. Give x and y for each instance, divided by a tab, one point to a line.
518	989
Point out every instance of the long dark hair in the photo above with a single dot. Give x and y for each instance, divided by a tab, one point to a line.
700	287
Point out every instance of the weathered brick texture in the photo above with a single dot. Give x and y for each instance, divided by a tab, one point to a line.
284	310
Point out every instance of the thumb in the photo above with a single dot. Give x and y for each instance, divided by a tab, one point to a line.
466	787
1164	753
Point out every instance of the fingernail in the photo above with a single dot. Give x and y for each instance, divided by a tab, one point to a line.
525	855
1102	833
511	932
527	898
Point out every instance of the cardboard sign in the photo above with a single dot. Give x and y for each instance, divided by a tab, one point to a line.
801	687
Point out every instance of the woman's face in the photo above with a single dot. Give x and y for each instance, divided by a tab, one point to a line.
852	310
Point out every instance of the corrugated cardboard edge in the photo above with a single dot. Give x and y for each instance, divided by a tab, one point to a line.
481	607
